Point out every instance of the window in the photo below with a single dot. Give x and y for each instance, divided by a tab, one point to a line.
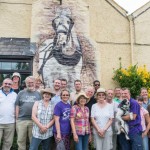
11	64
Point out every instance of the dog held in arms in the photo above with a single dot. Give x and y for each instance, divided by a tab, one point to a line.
123	110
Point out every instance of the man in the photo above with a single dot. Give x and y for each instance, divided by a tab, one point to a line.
78	90
134	122
109	99
64	84
7	114
117	95
57	91
96	85
144	94
89	93
24	104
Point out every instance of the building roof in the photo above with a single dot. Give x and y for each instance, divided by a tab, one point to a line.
140	10
120	9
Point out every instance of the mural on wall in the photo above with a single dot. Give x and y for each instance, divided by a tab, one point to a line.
64	51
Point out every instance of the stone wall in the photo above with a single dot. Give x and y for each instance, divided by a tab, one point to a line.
15	18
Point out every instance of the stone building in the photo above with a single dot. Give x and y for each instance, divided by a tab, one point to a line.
80	39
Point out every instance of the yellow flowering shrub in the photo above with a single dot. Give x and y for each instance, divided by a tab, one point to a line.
133	77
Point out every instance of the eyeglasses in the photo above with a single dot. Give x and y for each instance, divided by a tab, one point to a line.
65	95
7	83
101	94
97	85
30	82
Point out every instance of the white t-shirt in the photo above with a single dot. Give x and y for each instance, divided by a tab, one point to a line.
7	107
102	115
115	106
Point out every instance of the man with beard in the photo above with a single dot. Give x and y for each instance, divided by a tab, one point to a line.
7	114
24	104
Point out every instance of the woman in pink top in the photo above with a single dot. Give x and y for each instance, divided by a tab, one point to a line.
145	122
80	123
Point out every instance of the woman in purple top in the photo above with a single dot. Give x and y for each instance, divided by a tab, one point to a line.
62	128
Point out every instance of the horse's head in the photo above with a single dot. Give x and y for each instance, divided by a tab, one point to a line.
62	25
66	47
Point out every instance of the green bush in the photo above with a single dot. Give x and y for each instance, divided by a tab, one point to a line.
133	77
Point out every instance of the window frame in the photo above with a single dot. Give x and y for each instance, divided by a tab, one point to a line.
17	59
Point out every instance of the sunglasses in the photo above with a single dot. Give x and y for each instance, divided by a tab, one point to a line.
97	85
65	95
7	83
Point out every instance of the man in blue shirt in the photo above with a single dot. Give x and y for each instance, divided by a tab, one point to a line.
134	122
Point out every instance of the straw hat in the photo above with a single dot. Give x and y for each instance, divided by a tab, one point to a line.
16	74
101	90
47	90
81	94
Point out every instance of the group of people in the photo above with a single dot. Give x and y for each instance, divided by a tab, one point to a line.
55	117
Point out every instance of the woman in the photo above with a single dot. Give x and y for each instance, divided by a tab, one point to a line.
38	84
102	116
62	128
80	123
16	78
42	115
145	122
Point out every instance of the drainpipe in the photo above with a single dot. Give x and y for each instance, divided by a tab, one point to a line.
131	36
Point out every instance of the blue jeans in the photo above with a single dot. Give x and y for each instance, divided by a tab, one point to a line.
135	142
123	143
145	143
35	142
83	142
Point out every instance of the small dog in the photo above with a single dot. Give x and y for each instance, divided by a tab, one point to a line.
120	124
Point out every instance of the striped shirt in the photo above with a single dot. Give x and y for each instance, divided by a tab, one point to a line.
44	115
81	121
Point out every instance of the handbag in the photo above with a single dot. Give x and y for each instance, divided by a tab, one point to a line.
60	145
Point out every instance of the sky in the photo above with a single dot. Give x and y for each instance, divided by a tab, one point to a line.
131	5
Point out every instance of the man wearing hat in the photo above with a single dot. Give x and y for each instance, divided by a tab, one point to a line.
24	104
